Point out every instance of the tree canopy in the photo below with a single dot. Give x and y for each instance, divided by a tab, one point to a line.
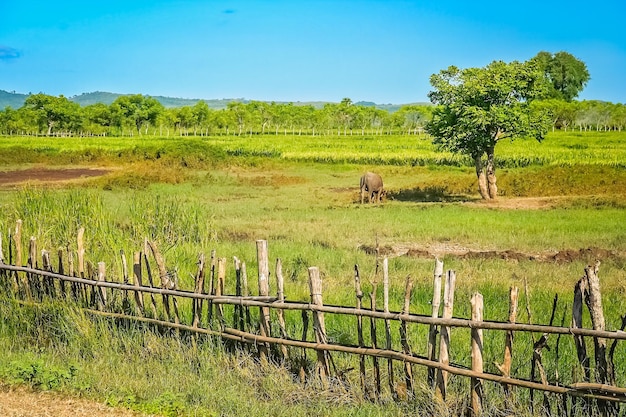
565	75
478	107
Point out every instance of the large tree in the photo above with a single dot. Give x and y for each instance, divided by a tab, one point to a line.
566	75
53	112
478	107
136	110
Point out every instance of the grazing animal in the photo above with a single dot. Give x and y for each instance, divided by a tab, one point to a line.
373	185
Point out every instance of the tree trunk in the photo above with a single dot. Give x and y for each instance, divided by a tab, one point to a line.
482	178
491	174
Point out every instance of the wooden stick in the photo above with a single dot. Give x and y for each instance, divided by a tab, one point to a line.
264	273
219	290
61	270
594	304
125	301
198	289
102	297
432	332
444	344
505	368
359	326
137	281
477	355
319	327
280	293
406	349
390	378
580	293
373	336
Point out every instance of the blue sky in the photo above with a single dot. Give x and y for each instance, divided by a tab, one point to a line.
310	50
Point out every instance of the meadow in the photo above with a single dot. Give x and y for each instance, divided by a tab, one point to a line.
300	193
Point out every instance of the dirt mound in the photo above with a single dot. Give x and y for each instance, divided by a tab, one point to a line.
589	255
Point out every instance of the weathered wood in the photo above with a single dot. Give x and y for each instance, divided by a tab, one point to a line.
374	338
81	252
404	341
390	376
34	281
1	251
125	301
17	239
580	293
359	326
319	327
219	290
198	289
146	262
594	304
238	316
280	294
264	290
61	270
505	368
432	331
137	281
211	289
48	283
444	342
477	355
102	297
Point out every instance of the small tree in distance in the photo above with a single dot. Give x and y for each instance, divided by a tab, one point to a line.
478	107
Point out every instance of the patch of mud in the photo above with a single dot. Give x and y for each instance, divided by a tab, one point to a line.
48	175
589	255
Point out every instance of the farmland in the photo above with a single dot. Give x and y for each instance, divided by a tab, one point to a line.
565	195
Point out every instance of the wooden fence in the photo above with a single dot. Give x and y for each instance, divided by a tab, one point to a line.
259	322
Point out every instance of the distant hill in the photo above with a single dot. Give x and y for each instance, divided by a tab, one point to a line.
16	100
13	100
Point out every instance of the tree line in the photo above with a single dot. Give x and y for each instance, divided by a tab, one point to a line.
136	115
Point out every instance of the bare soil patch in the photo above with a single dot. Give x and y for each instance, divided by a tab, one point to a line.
22	402
440	250
48	175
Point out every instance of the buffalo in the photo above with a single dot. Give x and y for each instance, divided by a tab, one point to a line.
373	185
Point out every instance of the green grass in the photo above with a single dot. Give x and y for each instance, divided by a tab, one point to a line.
301	194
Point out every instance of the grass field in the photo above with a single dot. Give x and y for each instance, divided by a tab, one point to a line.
301	194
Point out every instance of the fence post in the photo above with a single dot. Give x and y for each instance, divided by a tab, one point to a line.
61	271
319	328
199	289
219	290
505	368
264	290
17	238
138	283
444	343
374	343
432	331
594	304
102	297
359	326
34	282
390	378
1	251
125	302
280	292
406	349
477	355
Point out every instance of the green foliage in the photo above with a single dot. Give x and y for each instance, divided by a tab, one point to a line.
565	75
